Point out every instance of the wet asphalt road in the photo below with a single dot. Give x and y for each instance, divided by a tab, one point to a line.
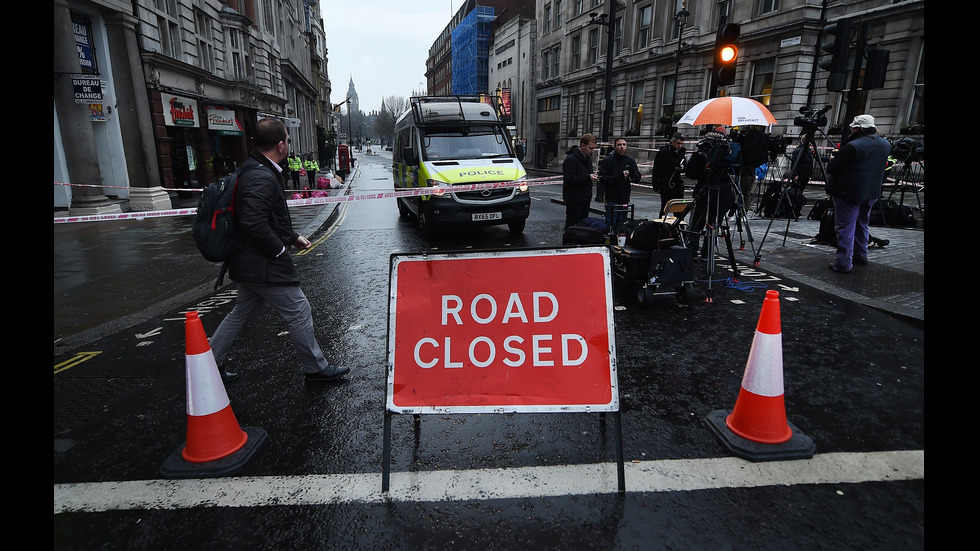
854	380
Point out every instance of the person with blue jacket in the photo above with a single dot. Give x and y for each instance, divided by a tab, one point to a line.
856	173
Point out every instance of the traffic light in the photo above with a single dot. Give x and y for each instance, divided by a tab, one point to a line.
726	54
839	47
874	72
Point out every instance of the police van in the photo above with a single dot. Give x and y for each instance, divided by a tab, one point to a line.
442	142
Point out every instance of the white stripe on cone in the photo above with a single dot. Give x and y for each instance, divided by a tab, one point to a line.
205	390
767	350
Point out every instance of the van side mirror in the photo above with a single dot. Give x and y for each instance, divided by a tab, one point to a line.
410	157
519	152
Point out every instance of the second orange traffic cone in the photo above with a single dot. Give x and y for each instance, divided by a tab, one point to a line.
757	428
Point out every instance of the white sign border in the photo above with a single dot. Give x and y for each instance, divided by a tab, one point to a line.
397	258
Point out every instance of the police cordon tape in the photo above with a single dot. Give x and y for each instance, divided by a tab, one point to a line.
386	194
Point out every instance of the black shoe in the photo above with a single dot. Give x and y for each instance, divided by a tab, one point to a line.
226	376
859	259
330	373
838	269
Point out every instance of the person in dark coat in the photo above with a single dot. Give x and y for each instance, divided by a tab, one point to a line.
801	165
577	179
856	173
667	169
263	268
617	174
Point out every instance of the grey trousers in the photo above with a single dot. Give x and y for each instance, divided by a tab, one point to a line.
294	308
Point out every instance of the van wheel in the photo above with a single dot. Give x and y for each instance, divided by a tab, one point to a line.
517	228
425	225
402	209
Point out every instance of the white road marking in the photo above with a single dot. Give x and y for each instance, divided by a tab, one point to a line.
677	475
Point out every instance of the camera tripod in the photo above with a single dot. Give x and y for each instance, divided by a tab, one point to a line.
713	214
903	184
810	144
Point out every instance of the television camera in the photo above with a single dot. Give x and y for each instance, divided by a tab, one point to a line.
811	119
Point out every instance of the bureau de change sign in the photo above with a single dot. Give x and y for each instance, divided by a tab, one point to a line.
514	331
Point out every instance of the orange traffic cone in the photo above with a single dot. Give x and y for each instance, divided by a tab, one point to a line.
757	427
216	443
760	413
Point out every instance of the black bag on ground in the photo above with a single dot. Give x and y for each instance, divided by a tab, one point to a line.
649	235
894	214
826	235
790	207
820	207
586	232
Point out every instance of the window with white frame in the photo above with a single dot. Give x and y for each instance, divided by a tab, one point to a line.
545	64
578	7
618	36
556	61
593	46
237	54
574	116
768	6
637	91
644	21
590	111
547	18
169	28
205	40
576	61
557	11
762	79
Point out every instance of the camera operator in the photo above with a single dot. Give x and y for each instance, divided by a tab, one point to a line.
712	193
801	165
754	143
667	169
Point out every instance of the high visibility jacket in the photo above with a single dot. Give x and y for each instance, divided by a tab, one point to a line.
311	165
295	163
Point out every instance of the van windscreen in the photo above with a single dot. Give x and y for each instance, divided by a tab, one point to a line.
473	143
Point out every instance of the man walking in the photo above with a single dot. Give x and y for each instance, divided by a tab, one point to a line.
617	174
577	179
263	268
856	173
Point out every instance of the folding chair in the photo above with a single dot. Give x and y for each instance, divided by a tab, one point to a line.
674	214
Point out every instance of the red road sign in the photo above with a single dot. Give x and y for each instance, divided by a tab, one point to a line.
511	331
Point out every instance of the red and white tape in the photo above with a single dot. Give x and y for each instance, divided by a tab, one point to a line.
386	194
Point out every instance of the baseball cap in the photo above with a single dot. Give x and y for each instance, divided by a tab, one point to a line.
863	121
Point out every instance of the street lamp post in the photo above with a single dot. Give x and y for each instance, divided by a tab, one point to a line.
681	18
607	20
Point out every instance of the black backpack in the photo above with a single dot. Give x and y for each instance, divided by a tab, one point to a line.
214	224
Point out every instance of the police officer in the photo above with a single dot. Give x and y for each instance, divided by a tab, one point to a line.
295	165
311	167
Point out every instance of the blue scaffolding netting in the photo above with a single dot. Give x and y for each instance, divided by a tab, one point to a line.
471	51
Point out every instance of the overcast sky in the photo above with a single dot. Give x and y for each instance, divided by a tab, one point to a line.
382	45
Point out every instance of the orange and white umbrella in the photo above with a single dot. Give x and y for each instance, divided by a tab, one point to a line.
729	111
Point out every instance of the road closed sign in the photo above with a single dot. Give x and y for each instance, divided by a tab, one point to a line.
513	331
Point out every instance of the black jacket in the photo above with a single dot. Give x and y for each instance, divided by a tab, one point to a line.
857	171
262	220
617	188
665	173
576	172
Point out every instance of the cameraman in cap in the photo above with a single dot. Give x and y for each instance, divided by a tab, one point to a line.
856	173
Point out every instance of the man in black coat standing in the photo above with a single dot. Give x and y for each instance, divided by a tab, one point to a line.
263	268
668	166
617	174
577	179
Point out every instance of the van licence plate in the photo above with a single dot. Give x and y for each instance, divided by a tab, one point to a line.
486	216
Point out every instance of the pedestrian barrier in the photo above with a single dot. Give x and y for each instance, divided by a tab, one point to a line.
757	428
216	445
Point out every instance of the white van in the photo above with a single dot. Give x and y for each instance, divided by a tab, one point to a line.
446	141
